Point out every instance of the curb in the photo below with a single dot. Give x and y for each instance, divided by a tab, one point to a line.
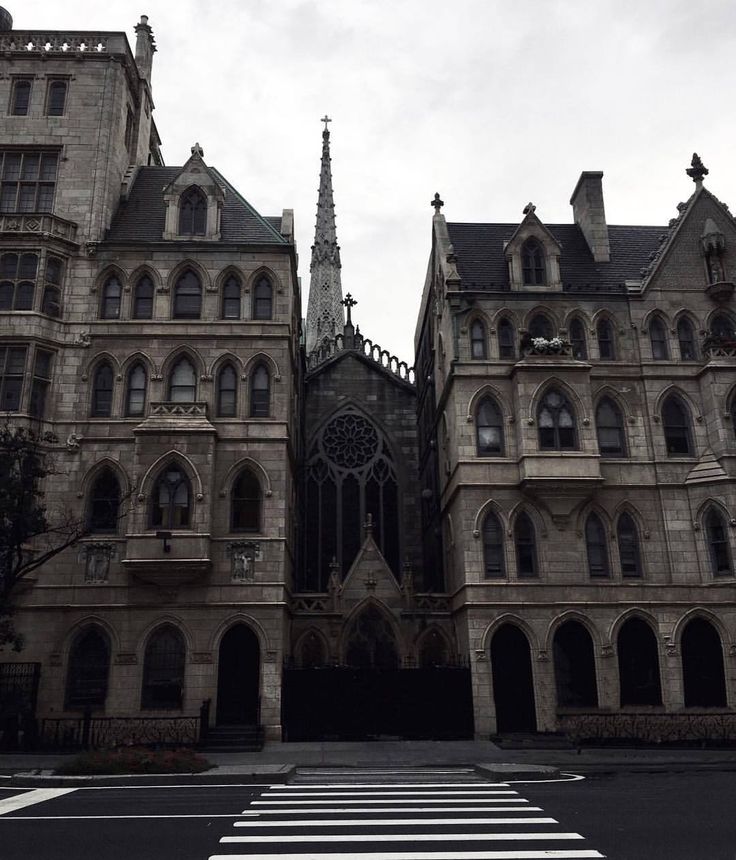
517	772
266	776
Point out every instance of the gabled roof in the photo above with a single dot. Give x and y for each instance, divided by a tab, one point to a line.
482	265
142	217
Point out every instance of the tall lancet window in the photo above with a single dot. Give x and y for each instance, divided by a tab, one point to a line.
350	475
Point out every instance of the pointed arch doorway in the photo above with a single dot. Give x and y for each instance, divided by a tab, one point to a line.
238	675
513	683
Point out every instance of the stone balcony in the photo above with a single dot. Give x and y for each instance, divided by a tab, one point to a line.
560	481
187	560
176	417
42	224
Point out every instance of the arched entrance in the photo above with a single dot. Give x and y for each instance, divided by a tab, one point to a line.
513	684
702	665
638	664
574	667
238	677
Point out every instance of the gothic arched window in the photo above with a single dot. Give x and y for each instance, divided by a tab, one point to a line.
488	428
350	475
718	544
493	550
88	668
722	326
183	382
188	297
102	386
163	670
578	339
193	212
56	98
246	501
686	339
143	299
556	421
104	503
263	299
231	298
606	341
628	546
596	546
610	426
478	340
171	499
260	392
135	397
677	430
227	392
532	263
21	97
112	292
525	541
540	326
658	339
506	339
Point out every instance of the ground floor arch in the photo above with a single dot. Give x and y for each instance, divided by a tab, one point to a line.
638	664
575	676
703	678
238	677
513	683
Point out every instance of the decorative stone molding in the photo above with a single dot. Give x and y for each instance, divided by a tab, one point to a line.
202	657
243	556
126	659
97	556
606	650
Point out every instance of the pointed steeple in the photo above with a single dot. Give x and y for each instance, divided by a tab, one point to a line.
325	311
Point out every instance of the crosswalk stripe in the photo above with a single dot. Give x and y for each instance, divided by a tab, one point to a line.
29	798
395	822
420	800
449	785
550	854
397	809
418	793
404	837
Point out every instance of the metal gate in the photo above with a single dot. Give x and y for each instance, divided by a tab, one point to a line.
18	692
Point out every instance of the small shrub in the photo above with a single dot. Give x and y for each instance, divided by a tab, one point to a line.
134	760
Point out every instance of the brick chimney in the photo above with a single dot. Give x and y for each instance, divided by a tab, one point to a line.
590	215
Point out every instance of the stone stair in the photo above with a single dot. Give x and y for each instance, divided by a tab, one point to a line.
235	738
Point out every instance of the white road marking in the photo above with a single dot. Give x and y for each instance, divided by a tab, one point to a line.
109	817
444	801
550	854
400	809
395	822
403	837
415	793
448	785
29	798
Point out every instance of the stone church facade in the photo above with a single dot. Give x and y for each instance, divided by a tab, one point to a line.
534	533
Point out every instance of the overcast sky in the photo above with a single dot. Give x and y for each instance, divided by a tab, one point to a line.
493	103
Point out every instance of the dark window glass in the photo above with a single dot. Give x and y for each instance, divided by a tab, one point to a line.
676	425
12	368
135	401
40	383
610	426
89	665
263	300
493	555
478	340
720	551
104	503
170	502
246	503
658	339
56	98
51	302
183	382
606	345
27	181
112	293
526	546
540	326
532	263
188	297
193	213
102	392
577	339
231	299
597	546
723	326
163	670
488	428
260	393
227	392
628	546
506	339
686	339
556	422
143	299
129	131
17	281
638	664
21	98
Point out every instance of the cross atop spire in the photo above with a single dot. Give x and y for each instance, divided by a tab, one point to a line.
325	119
349	302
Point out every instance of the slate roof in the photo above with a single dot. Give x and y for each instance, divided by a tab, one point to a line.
142	216
481	264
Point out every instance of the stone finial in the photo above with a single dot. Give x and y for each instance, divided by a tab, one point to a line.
697	170
529	209
197	150
437	203
349	303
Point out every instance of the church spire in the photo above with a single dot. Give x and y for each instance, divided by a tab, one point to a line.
325	312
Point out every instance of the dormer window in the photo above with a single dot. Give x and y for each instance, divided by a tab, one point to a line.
532	263
193	212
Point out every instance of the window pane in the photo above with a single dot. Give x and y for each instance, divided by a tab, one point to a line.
143	301
56	98
21	98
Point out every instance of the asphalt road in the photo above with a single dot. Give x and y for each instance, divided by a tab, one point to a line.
624	816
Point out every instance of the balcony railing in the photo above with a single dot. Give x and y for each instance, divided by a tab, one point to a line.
39	224
176	409
719	346
58	42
